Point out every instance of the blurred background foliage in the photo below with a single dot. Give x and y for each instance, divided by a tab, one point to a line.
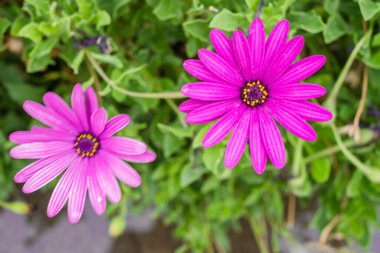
130	45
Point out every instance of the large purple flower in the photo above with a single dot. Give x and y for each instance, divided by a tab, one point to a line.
78	141
246	84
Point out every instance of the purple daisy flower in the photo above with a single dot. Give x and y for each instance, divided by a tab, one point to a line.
78	142
247	84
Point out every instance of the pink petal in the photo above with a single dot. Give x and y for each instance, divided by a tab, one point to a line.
256	40
77	197
238	141
62	190
220	67
114	125
257	149
59	106
301	70
198	70
37	150
222	128
107	180
272	139
300	91
95	192
44	115
123	146
122	170
283	59
212	111
26	173
242	54
78	105
98	121
191	104
291	122
48	173
222	46
305	109
92	101
21	137
276	40
210	91
147	157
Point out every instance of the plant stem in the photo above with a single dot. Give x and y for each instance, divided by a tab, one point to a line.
292	204
362	102
328	151
103	75
175	109
327	230
258	235
95	78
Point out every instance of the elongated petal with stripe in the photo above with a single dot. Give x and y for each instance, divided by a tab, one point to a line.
223	46
21	137
256	145
37	150
300	91
210	91
242	54
256	40
115	124
95	191
123	146
198	70
78	192
191	104
98	121
91	101
238	141
78	105
107	180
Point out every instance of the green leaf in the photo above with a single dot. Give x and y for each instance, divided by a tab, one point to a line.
117	226
228	21
190	174
368	8
334	29
39	64
4	24
179	132
353	188
43	48
376	40
102	19
374	60
31	32
252	4
308	21
17	207
86	8
168	9
110	59
196	28
320	170
212	157
41	7
21	91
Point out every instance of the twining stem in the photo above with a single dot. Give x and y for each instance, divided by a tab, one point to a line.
291	211
104	76
327	230
362	102
339	82
95	78
175	109
328	151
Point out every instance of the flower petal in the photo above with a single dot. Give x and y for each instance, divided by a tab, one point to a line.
98	121
291	121
222	46
95	192
59	106
305	109
79	107
115	124
122	170
191	104
198	70
107	180
276	40
62	190
212	111
222	128
45	115
301	70
210	91
257	149
123	146
300	91
36	150
283	59
242	54
21	137
48	173
272	139
26	173
92	101
147	157
220	67
256	40
238	141
78	191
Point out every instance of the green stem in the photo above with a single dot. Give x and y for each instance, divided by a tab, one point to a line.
102	74
256	227
175	109
328	151
330	101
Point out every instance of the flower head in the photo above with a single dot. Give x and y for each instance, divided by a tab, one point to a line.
247	84
79	143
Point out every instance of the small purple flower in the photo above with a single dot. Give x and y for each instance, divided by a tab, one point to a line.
78	142
246	84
